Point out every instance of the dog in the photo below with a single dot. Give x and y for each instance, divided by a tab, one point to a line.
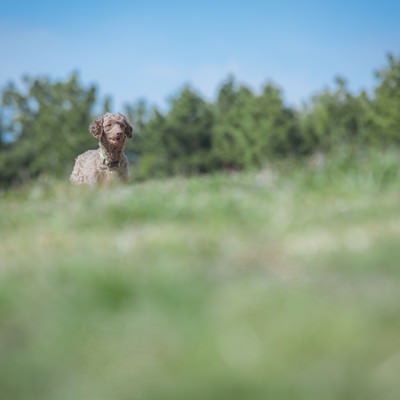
109	160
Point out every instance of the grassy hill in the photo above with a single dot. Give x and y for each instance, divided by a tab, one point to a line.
279	284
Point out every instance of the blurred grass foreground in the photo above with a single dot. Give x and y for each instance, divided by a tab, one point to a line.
279	284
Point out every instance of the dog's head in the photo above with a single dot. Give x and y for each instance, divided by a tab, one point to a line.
111	129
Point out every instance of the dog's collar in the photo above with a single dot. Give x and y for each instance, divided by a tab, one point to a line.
106	161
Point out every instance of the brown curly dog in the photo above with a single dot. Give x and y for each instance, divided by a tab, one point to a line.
109	160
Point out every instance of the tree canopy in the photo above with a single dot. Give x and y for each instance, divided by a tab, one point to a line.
43	126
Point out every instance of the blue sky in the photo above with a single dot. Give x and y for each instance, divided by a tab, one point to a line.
150	49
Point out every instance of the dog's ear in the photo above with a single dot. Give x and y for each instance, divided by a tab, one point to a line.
128	130
96	127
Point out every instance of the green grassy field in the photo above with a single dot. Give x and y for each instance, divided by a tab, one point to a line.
279	284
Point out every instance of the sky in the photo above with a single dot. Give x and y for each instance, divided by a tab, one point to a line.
149	49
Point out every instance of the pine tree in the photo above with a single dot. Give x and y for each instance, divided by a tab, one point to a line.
47	127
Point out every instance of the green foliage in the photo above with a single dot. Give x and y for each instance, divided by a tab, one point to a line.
338	117
334	119
387	103
43	126
46	127
151	153
186	137
234	127
276	125
250	129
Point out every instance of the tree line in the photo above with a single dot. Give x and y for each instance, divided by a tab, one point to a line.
43	126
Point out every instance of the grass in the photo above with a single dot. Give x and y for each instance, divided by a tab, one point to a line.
280	284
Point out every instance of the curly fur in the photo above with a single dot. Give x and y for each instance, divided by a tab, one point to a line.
109	160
